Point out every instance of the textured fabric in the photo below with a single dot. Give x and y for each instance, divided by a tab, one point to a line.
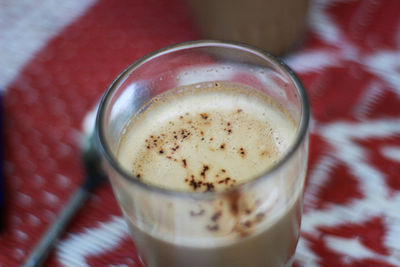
57	60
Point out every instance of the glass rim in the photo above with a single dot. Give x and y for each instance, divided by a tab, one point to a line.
300	135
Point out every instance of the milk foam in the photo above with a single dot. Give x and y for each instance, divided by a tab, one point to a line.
207	137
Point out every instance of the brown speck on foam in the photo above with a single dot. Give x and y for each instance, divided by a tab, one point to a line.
204	116
210	187
138	176
193	183
223	170
239	110
161	151
222	146
203	172
185	133
242	152
225	181
184	163
175	148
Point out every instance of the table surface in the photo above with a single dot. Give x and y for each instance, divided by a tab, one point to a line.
58	58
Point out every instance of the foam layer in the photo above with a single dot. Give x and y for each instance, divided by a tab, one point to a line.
207	137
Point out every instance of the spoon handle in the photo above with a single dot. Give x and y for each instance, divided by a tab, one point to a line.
41	251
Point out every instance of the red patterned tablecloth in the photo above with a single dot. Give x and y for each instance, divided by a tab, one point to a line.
57	58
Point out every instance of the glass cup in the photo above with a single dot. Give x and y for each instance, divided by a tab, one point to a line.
260	224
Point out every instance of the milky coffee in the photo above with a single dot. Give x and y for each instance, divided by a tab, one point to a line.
213	137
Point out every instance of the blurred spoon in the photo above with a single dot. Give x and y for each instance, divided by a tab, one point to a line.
94	177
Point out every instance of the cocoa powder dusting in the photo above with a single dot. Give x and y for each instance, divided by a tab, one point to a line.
242	152
203	172
195	184
204	116
210	187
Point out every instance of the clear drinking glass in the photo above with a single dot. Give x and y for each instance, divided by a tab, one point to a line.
262	217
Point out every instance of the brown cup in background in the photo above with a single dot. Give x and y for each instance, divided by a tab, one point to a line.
277	26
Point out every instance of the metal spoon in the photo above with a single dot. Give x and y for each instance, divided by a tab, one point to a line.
94	177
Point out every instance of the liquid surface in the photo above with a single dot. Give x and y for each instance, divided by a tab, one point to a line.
207	137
